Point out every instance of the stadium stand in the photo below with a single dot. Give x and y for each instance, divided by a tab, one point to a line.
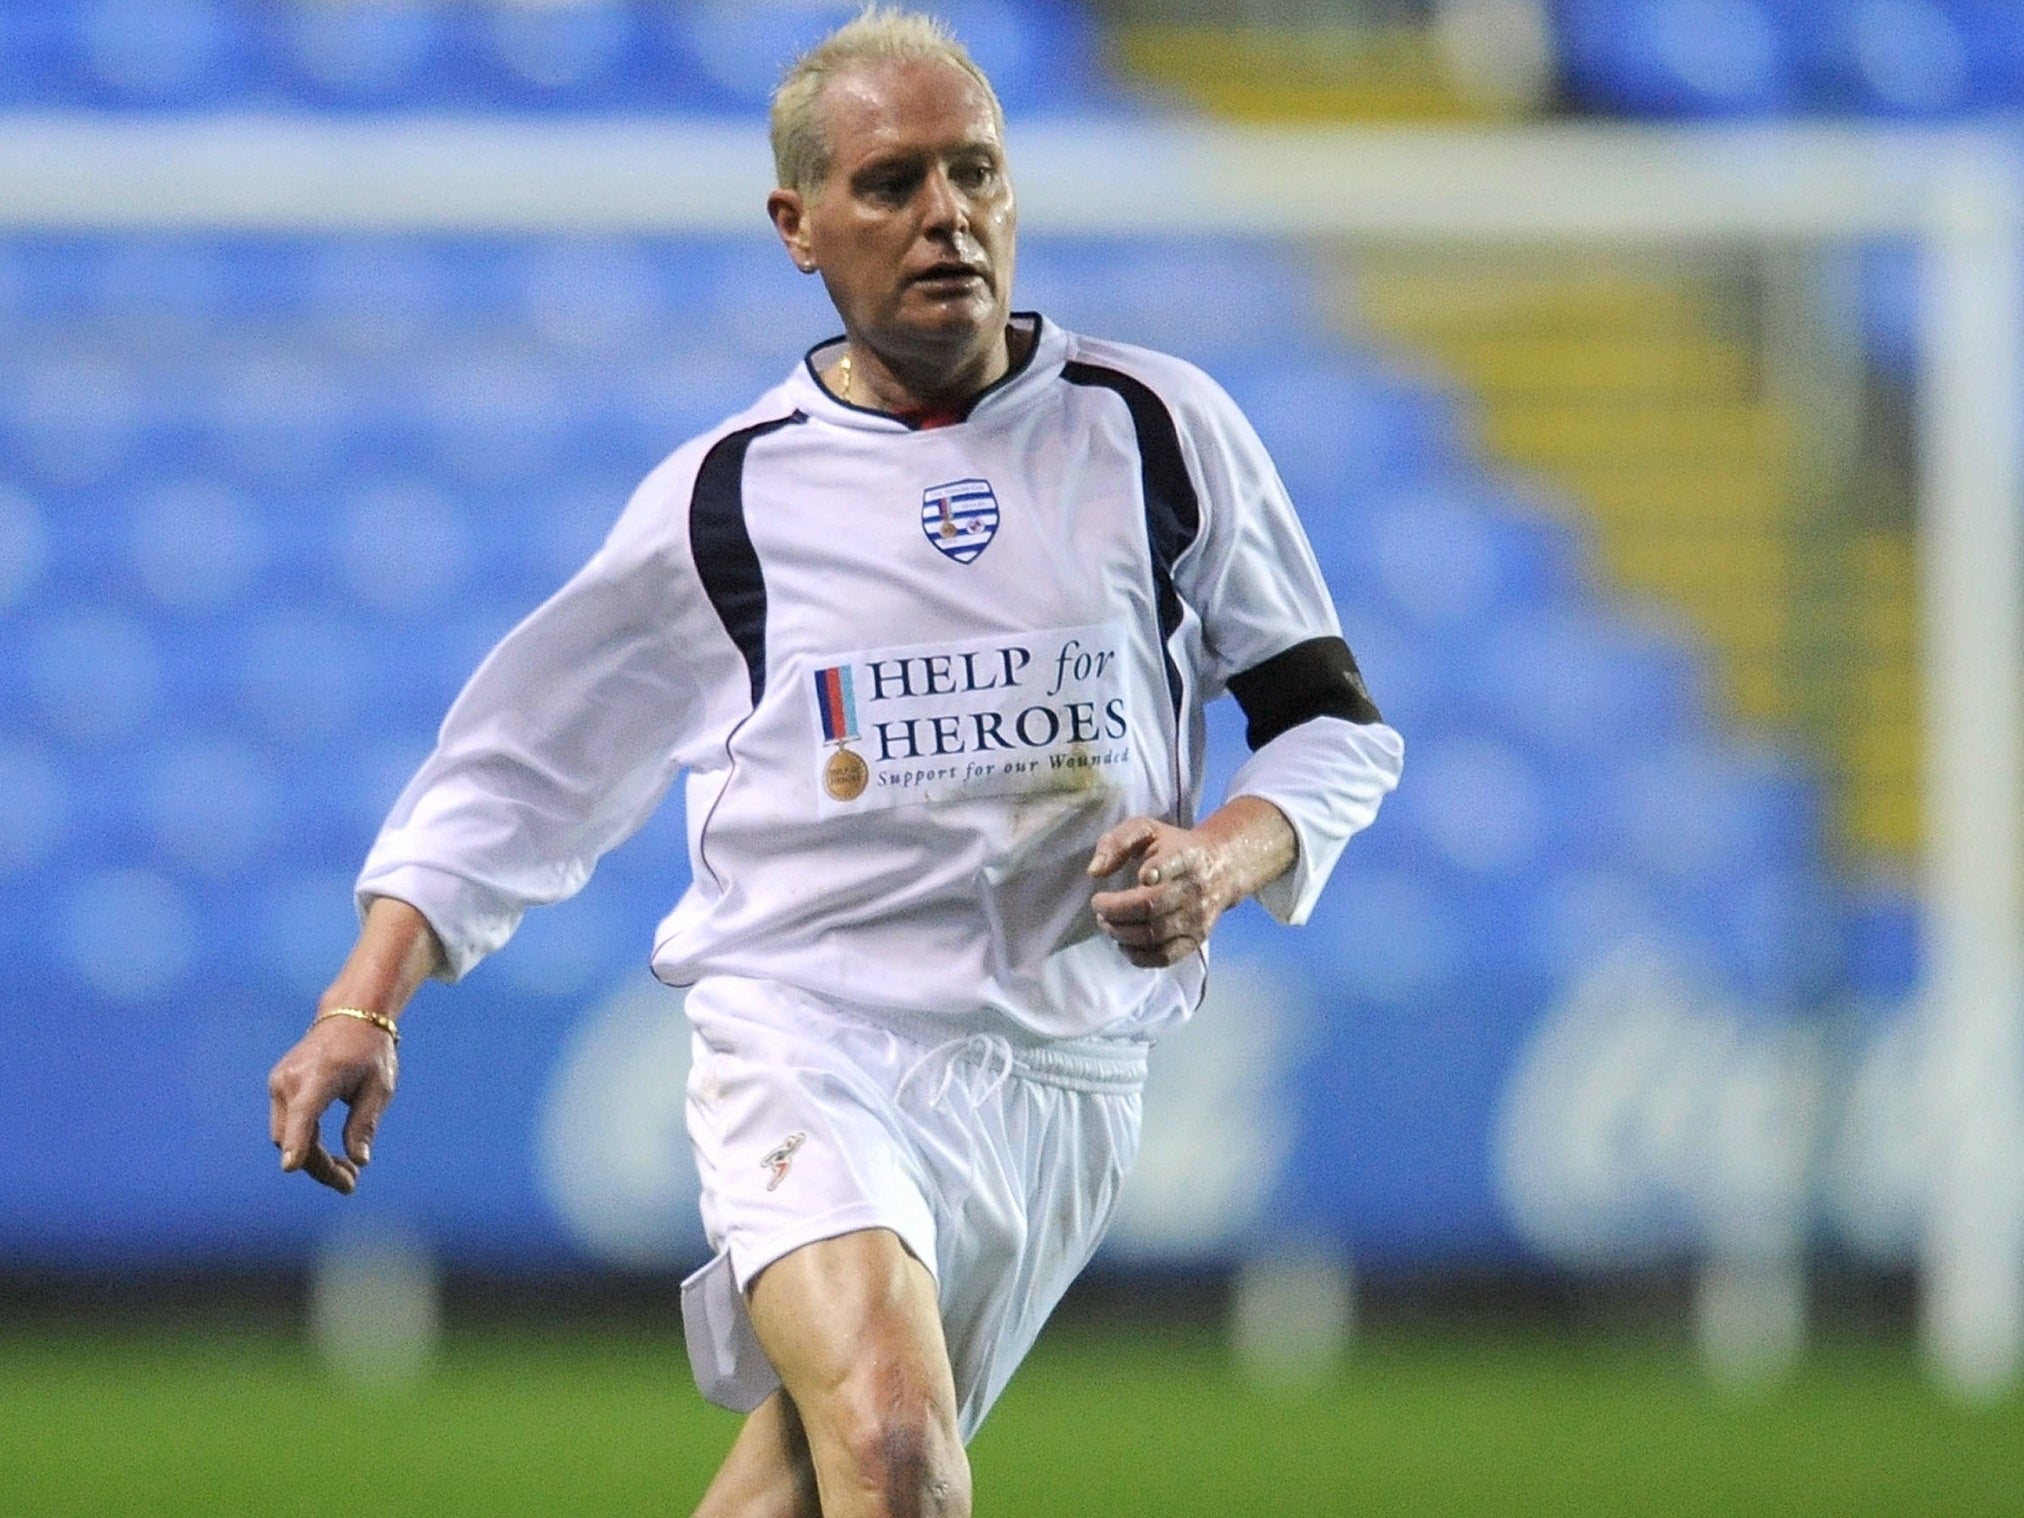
590	55
264	501
1894	59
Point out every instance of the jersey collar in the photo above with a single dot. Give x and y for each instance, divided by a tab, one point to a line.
1046	356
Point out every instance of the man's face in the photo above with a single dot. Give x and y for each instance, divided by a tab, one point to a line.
913	229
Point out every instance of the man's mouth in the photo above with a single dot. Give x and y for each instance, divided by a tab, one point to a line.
951	273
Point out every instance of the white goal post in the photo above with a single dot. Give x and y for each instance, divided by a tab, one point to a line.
1955	194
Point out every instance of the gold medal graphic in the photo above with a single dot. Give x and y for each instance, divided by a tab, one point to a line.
845	775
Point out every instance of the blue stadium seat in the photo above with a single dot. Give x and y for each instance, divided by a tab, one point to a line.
579	56
1778	933
26	59
435	655
500	415
354	800
35	802
159	52
306	677
130	935
197	547
98	828
1043	56
405	547
48	277
750	298
535	539
1696	810
633	415
1220	302
1678	58
1342	434
156	289
70	420
594	297
25	548
305	923
24	970
1580	681
1886	298
1038	53
1888	58
1386	936
1884	930
17	309
1906	59
741	49
202	678
261	278
1446	556
570	949
211	806
1479	806
1993	40
93	674
363	53
375	294
588	55
1576	916
276	415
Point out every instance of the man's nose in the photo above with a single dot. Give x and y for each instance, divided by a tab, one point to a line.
943	208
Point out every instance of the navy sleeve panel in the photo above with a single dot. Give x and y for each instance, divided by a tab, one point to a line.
1173	514
722	546
1318	678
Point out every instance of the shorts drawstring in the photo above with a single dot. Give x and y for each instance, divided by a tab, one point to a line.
992	1050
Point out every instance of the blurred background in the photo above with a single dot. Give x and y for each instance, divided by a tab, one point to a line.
1635	1128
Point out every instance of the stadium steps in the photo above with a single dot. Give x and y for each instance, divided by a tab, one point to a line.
1549	363
1297	73
1636	388
1882	750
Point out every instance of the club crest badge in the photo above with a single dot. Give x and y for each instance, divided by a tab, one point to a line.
960	518
844	774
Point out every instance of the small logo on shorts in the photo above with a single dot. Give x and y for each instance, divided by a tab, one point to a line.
781	1158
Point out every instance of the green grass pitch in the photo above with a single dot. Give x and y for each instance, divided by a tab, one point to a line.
104	1421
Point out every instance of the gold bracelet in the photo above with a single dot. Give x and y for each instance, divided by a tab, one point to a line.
383	1023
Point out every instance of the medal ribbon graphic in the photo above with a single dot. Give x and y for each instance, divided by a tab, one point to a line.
845	776
833	694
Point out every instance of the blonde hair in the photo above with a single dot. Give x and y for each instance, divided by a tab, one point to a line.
879	33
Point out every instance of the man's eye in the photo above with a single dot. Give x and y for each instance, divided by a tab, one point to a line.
890	187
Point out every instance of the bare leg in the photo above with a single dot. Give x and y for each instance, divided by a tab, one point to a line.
768	1473
853	1328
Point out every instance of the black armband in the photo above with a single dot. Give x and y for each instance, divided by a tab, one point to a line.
1318	678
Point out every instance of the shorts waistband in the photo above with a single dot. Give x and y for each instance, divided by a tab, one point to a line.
1098	1065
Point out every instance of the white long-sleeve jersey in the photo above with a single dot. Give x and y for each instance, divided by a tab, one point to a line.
912	675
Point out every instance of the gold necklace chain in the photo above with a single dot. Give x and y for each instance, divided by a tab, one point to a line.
845	367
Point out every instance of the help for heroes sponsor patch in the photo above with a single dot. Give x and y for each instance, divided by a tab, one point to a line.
1004	716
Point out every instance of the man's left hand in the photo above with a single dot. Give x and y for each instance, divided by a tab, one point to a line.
1186	878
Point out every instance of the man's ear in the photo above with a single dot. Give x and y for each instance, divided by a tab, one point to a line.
790	220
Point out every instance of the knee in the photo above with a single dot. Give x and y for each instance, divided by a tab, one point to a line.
905	1451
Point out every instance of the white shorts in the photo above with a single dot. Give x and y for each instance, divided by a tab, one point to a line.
998	1166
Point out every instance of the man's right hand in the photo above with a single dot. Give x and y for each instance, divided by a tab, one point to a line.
347	1059
339	1059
